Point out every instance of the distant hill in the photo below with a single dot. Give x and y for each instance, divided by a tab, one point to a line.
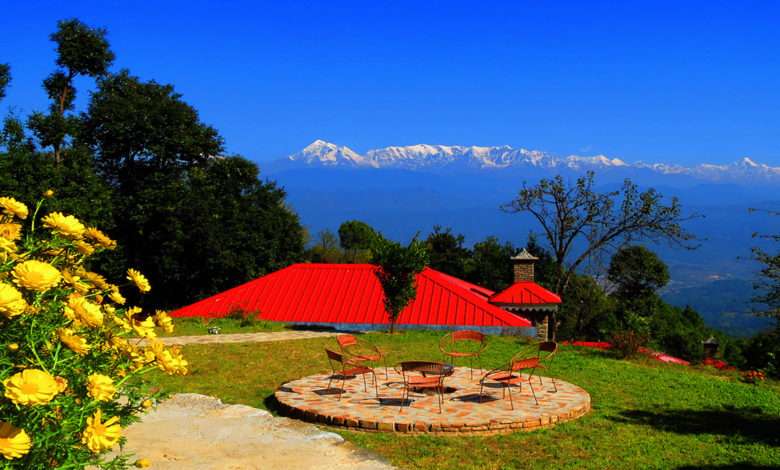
725	305
403	191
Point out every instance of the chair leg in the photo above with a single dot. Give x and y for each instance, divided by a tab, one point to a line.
532	390
509	390
376	386
365	385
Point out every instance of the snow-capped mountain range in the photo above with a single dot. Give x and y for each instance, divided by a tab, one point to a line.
424	156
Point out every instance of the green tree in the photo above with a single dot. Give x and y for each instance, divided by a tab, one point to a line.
587	311
580	223
490	264
81	51
637	273
326	249
768	285
446	252
398	267
356	239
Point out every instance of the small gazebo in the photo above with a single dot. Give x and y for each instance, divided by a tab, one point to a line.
526	298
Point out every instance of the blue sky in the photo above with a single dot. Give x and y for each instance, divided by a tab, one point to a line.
679	82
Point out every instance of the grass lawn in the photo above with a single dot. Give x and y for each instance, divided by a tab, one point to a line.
645	414
197	326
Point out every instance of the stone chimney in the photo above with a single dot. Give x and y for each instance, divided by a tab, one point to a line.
523	266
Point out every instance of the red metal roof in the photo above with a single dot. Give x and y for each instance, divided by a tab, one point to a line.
525	293
351	293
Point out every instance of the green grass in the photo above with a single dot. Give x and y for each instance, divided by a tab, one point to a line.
198	326
645	414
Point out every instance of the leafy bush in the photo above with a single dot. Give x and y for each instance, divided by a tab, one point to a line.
70	347
627	343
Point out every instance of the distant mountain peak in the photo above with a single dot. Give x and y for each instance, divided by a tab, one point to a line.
426	156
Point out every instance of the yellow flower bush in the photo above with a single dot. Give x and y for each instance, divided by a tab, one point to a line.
72	355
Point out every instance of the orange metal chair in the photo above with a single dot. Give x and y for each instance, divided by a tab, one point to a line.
361	351
448	345
344	368
510	376
431	377
546	354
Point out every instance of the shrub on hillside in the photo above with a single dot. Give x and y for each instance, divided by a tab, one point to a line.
70	346
627	343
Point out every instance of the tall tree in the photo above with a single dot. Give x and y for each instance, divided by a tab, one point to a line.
446	251
398	267
81	51
574	216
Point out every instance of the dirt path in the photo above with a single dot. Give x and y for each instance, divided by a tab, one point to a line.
198	432
247	337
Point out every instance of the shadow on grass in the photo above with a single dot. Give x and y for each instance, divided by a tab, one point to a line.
748	424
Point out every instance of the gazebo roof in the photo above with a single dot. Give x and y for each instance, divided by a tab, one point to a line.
525	294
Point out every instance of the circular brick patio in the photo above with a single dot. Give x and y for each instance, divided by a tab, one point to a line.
464	412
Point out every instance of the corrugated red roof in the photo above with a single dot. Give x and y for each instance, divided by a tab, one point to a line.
351	293
525	293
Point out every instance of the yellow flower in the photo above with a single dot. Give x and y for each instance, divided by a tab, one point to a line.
49	193
75	282
116	296
86	311
12	207
139	280
100	387
62	383
171	361
14	442
147	404
10	231
99	436
96	279
13	347
164	321
11	301
142	463
74	342
100	238
36	275
66	225
30	387
7	246
144	328
84	248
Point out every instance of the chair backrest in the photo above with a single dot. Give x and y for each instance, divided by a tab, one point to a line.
521	364
334	356
423	367
346	341
467	335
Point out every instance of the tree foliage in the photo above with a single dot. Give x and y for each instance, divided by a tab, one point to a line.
637	272
577	215
446	251
139	160
5	79
398	267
